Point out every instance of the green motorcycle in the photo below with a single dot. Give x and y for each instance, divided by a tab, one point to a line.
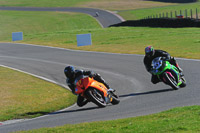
167	73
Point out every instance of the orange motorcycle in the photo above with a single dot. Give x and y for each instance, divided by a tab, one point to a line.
95	92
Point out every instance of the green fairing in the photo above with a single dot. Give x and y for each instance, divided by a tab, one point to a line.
166	65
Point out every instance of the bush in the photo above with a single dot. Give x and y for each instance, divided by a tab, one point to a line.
161	22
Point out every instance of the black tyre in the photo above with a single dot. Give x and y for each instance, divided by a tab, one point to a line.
115	100
96	97
183	82
171	80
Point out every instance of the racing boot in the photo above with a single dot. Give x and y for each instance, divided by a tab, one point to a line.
174	62
73	91
107	86
179	69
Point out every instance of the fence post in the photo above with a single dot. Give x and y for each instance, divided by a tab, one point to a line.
186	13
171	14
196	13
175	13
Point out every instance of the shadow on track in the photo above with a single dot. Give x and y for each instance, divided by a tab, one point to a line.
145	93
96	107
30	114
174	1
74	110
60	112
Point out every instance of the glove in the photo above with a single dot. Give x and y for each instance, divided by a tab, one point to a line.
91	75
168	58
164	58
150	70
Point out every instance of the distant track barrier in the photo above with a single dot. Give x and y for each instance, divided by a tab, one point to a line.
161	22
172	19
187	13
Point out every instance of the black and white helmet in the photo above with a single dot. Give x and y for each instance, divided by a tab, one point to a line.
69	71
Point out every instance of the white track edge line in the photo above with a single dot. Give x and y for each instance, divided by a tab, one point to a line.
91	51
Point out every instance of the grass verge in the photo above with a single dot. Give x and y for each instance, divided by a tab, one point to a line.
143	13
102	4
185	119
42	3
24	96
59	29
37	23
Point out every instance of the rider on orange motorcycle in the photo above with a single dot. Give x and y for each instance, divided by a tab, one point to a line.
72	74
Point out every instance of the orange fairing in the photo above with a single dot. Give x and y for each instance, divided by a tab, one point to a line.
99	86
85	83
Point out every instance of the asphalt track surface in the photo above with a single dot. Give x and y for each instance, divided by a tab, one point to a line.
125	73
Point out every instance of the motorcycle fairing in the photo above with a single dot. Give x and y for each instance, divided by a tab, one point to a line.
87	82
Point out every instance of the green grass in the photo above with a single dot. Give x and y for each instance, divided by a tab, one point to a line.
36	23
185	119
43	3
24	96
59	29
143	13
102	4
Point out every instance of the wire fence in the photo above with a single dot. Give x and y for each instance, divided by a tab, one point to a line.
191	13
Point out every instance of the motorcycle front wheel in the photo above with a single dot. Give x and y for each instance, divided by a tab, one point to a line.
115	99
171	80
183	82
96	97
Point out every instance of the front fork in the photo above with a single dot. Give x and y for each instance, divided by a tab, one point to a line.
109	98
170	74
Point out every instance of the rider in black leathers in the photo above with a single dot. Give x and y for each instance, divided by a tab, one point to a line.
72	74
150	54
